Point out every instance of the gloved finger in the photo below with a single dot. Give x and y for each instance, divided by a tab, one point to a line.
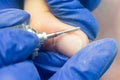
90	63
11	17
16	45
20	71
4	4
90	4
75	15
48	63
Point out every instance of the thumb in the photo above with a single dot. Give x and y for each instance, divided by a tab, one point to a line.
90	63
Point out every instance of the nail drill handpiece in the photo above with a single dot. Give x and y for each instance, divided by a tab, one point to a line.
42	35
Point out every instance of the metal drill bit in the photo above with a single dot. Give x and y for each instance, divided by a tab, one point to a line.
52	35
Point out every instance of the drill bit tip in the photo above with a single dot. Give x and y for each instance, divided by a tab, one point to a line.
52	35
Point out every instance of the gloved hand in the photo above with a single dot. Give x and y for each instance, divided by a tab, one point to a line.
16	45
89	63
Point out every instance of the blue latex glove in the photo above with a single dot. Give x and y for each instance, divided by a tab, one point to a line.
16	46
90	63
89	4
74	13
86	67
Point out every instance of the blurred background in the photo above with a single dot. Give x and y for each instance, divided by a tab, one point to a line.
108	16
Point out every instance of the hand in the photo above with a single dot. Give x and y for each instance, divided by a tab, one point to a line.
48	63
40	14
16	46
62	11
90	63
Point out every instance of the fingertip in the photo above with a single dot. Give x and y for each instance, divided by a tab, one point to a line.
111	44
11	17
18	46
97	57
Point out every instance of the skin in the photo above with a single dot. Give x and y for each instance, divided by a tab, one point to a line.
42	20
